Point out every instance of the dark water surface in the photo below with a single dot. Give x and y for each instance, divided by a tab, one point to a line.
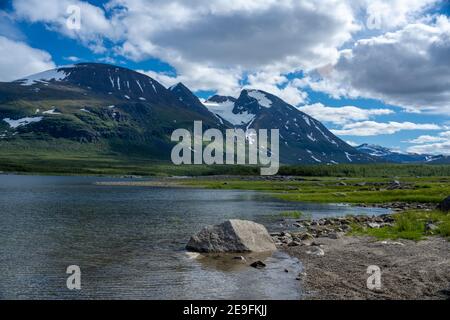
129	241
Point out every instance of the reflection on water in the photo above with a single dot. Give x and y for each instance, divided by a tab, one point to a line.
129	241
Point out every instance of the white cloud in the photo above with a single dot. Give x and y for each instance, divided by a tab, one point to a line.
427	139
18	60
372	128
72	59
279	85
204	40
439	144
390	14
237	34
215	45
409	67
352	143
434	148
198	77
342	115
94	24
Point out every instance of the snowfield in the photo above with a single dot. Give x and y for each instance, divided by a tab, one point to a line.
52	111
44	77
261	98
21	122
224	110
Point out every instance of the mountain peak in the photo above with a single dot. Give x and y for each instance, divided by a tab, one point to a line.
221	99
179	86
101	78
188	99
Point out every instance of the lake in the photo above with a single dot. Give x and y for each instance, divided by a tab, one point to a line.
129	241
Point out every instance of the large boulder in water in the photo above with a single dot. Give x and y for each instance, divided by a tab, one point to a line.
232	236
445	205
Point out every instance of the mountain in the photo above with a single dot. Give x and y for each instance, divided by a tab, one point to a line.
303	139
120	112
118	109
397	157
188	99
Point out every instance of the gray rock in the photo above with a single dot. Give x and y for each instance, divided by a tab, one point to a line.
307	242
316	251
374	225
430	227
232	236
294	244
335	235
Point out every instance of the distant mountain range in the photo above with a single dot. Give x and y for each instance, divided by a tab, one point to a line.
397	157
123	112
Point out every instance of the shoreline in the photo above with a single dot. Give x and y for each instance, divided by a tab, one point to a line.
336	258
409	270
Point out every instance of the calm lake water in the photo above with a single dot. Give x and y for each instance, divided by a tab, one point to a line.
129	241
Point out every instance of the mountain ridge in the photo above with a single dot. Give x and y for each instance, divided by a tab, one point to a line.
398	157
126	110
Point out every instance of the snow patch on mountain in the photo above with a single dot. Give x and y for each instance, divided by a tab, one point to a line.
307	120
52	111
348	155
261	98
224	110
44	77
21	122
315	159
139	85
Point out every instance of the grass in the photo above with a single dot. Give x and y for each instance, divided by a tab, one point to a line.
407	225
410	225
330	190
31	154
95	159
292	214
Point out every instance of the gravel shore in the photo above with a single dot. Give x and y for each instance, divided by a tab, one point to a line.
409	270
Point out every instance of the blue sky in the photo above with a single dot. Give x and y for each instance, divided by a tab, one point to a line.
373	71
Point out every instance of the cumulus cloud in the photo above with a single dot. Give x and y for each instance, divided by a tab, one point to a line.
199	77
372	128
17	60
225	45
223	36
54	13
439	144
409	67
390	14
433	148
427	139
342	115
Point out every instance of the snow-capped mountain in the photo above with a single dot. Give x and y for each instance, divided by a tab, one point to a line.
398	157
125	112
303	139
119	110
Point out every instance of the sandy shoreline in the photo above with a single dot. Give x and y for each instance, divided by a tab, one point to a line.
410	270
